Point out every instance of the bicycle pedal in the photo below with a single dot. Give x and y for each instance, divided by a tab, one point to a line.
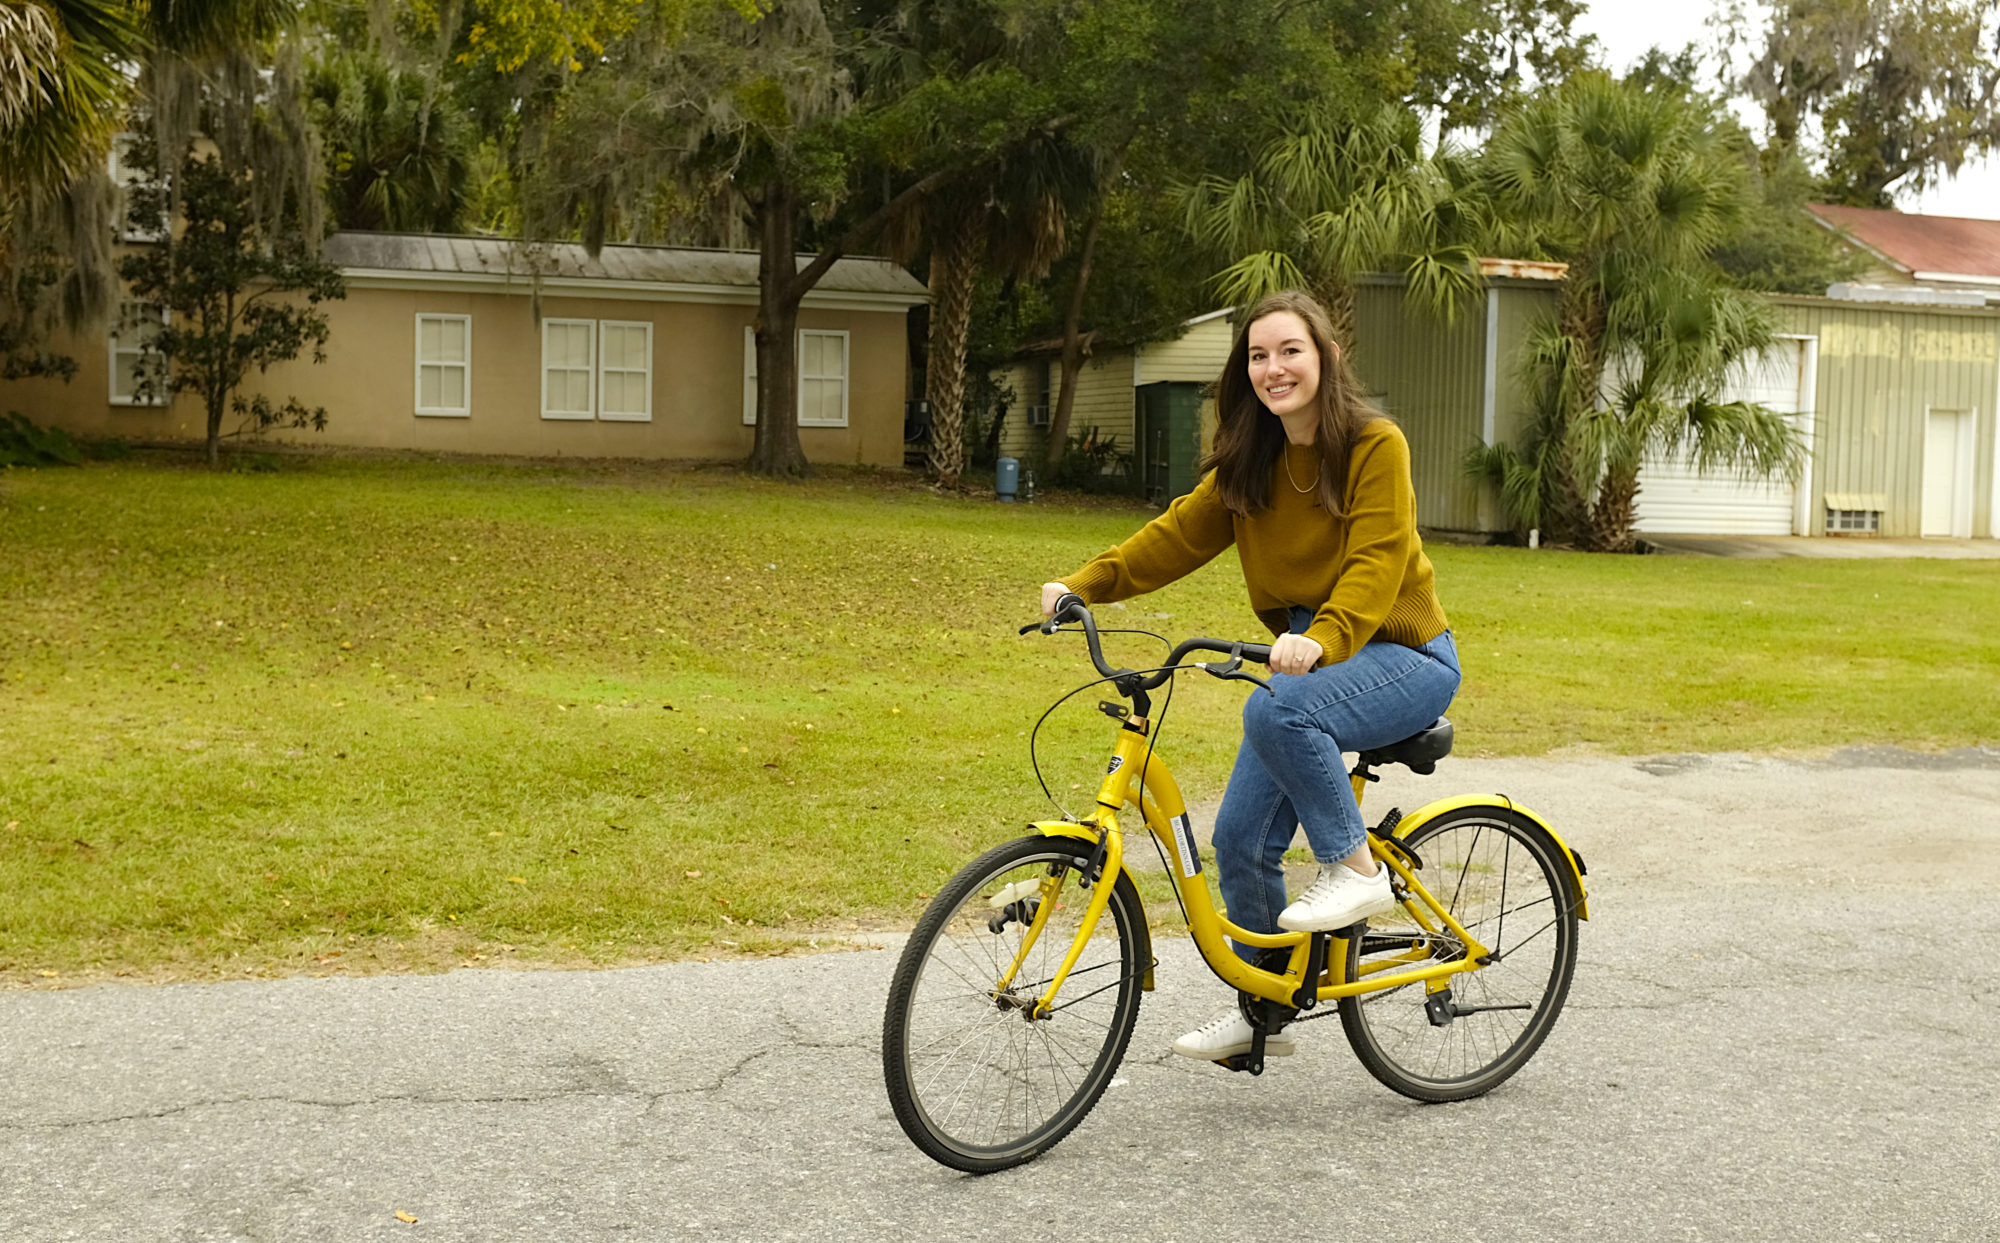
1242	1061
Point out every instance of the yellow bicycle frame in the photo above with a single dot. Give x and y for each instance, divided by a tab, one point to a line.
1135	773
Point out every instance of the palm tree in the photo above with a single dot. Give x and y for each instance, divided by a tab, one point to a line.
66	85
1330	197
1009	217
1633	188
398	156
61	92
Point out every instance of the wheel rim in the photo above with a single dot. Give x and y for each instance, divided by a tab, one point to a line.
1501	884
986	1080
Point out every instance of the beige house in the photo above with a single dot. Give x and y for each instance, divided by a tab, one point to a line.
477	345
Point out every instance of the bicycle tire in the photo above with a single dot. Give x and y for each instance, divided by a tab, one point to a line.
974	1083
1484	864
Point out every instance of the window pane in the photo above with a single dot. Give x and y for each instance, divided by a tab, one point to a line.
453	387
452	341
618	393
429	391
614	346
836	362
429	334
578	354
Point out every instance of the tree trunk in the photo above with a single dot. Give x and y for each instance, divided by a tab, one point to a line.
1072	343
1582	320
954	265
777	451
1336	294
1072	338
1615	512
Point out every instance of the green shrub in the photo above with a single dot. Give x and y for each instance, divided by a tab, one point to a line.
1092	463
24	444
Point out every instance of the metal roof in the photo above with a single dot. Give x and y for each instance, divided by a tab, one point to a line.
1943	246
491	256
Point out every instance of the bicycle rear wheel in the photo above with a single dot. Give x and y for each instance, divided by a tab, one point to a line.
975	1082
1506	882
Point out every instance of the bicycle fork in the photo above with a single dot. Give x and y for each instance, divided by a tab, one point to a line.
1099	872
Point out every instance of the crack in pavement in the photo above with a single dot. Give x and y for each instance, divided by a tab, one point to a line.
653	1099
309	1103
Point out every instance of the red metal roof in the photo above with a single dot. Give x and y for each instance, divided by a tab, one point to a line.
1951	245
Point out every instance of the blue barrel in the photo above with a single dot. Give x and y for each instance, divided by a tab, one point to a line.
1007	478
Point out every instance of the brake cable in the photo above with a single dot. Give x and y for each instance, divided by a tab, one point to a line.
1035	733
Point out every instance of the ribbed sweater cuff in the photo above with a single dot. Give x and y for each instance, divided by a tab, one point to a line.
1092	581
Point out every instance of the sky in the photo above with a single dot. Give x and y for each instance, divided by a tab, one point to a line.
1627	28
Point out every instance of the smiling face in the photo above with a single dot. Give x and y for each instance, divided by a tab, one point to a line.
1284	364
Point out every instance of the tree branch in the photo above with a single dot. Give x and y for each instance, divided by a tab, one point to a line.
810	275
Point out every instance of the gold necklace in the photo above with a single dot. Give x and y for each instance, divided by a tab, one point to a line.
1291	479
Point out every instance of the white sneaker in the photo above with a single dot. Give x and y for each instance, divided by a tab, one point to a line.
1226	1035
1341	896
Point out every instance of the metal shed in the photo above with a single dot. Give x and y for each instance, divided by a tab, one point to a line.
1896	400
1901	420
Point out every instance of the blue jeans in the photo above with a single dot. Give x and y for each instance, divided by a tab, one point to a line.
1289	769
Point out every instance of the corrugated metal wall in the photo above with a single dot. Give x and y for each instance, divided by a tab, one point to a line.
1882	369
1428	374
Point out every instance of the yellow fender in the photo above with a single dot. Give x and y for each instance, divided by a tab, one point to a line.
1431	811
1088	833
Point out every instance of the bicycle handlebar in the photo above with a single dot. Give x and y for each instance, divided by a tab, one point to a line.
1072	608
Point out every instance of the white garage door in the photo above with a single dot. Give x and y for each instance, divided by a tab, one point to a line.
1675	499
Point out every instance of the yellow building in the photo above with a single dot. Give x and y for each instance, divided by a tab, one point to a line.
477	345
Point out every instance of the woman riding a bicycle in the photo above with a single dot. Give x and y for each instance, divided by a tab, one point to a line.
1313	486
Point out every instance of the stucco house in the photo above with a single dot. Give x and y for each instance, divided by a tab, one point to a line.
479	345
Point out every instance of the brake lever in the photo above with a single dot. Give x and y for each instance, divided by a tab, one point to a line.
1237	675
1231	670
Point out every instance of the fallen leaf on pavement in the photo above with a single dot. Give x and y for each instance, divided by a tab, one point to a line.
402	1216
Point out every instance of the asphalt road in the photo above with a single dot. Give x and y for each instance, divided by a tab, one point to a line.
1784	1024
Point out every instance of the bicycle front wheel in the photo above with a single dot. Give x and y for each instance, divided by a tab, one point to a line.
976	1080
1504	879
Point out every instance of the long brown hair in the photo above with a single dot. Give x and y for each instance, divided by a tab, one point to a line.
1249	439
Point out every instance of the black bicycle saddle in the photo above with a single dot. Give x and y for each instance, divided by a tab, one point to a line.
1420	752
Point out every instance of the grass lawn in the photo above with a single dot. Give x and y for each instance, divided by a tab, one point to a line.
393	714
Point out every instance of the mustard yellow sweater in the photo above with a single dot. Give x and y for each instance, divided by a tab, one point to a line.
1364	575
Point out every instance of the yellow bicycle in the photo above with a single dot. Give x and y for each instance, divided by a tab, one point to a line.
1015	997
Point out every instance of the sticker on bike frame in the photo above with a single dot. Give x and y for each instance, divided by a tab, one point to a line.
1184	839
1117	762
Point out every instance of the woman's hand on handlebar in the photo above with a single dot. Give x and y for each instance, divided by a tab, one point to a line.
1052	592
1292	653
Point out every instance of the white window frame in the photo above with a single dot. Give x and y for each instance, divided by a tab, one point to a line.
646	372
417	373
589	370
845	377
124	177
799	392
113	349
